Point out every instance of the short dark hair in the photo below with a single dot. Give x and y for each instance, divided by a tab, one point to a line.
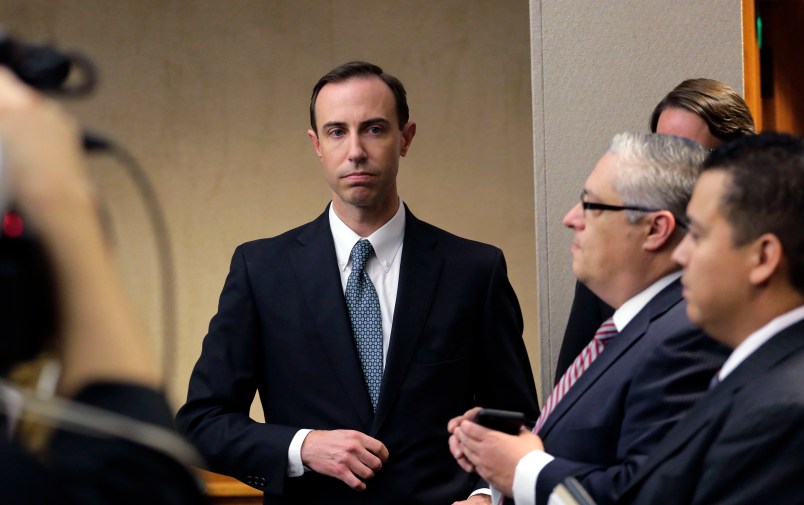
765	192
719	105
361	69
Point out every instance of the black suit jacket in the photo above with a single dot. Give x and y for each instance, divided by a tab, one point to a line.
282	329
629	398
743	443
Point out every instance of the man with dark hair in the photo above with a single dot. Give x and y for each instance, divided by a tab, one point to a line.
743	262
704	110
363	331
355	69
646	365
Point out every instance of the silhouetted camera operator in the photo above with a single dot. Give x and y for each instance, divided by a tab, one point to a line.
113	442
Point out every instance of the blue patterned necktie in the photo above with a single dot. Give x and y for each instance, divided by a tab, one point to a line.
364	311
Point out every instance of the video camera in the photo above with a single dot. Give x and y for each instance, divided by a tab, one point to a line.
28	306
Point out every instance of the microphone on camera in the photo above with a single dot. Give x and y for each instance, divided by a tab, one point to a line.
64	73
47	69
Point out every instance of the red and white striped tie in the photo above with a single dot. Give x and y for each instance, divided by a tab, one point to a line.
602	337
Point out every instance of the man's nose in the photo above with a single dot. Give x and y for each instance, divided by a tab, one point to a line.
681	252
574	217
357	153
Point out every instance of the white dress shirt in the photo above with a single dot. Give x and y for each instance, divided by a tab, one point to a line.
755	340
382	269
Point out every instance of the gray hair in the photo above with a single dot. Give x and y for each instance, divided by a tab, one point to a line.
656	171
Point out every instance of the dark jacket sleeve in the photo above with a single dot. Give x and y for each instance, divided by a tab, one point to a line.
222	387
505	378
504	372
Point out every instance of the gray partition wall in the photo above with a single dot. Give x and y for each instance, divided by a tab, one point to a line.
599	68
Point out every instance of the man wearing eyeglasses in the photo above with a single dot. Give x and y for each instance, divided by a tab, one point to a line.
644	368
704	110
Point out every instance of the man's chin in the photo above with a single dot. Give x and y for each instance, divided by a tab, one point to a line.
693	314
359	197
579	273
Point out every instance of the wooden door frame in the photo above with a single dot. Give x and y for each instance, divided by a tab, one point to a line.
751	76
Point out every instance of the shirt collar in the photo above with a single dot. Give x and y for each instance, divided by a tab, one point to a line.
636	303
759	337
386	241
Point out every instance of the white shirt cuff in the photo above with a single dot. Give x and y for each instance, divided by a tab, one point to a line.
482	490
526	474
295	466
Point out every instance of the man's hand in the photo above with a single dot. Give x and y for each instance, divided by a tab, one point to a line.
350	456
494	454
455	445
478	499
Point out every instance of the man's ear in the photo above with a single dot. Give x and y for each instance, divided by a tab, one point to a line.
765	256
316	143
408	131
662	224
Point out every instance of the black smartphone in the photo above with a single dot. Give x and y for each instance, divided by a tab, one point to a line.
506	421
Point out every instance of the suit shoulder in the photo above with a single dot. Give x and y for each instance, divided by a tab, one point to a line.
674	330
679	348
277	243
770	407
666	323
778	387
450	241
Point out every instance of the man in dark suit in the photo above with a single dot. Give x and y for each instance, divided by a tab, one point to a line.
357	377
743	280
645	367
704	110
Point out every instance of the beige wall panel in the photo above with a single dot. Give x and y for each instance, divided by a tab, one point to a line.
599	68
212	97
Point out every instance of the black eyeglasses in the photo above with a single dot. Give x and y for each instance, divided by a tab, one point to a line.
681	223
604	206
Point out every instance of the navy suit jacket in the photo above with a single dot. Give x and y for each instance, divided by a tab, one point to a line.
282	329
628	399
742	443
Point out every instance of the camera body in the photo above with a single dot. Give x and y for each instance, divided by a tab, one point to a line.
28	308
27	296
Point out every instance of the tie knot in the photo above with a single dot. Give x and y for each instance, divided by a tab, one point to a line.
360	254
606	332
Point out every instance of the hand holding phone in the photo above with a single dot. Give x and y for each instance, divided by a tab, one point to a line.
506	421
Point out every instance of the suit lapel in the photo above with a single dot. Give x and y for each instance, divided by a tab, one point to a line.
630	335
315	266
418	278
716	403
